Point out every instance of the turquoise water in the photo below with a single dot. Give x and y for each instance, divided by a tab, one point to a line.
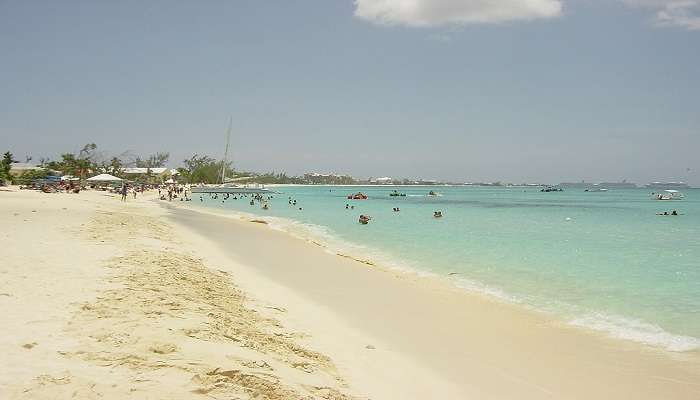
598	259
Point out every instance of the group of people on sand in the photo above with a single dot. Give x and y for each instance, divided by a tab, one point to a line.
168	192
125	189
173	192
50	186
129	189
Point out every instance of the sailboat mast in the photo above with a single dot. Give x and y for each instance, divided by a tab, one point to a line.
228	142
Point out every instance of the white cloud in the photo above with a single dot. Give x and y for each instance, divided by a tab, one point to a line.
425	13
681	13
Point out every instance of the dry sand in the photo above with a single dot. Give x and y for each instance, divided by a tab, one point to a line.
103	299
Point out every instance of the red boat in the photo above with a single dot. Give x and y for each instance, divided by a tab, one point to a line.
357	196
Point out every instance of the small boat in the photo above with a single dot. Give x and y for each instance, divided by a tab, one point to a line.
551	189
433	193
395	193
437	214
226	186
596	190
364	219
357	196
668	195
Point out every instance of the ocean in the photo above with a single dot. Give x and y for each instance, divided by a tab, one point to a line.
602	260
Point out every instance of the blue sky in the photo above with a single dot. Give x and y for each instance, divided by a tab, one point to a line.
529	90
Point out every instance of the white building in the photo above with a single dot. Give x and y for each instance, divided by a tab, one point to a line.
158	173
382	181
18	169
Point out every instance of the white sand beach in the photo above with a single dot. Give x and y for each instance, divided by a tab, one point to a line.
156	300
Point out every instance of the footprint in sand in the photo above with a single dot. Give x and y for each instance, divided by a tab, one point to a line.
163	348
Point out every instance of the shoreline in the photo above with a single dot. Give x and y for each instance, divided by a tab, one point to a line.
609	325
153	299
610	354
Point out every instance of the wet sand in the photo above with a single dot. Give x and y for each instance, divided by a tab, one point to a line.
484	348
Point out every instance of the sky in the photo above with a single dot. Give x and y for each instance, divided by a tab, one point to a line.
460	90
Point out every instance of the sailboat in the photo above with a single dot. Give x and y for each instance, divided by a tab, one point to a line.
227	186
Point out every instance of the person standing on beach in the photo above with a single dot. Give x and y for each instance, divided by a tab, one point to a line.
124	191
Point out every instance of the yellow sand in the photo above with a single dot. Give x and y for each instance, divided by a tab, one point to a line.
102	299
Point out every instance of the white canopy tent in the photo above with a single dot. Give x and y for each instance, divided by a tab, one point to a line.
104	178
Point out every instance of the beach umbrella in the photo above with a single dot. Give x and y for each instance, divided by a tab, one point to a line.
103	178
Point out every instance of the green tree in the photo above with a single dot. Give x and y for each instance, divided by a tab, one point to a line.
203	169
88	151
67	165
115	167
79	165
157	160
5	167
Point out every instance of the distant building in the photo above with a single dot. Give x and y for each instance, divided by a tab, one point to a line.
158	174
618	185
328	179
579	185
604	185
381	181
667	185
18	169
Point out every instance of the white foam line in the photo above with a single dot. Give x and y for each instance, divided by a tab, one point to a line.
614	326
637	331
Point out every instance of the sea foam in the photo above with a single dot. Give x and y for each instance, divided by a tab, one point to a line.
638	331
